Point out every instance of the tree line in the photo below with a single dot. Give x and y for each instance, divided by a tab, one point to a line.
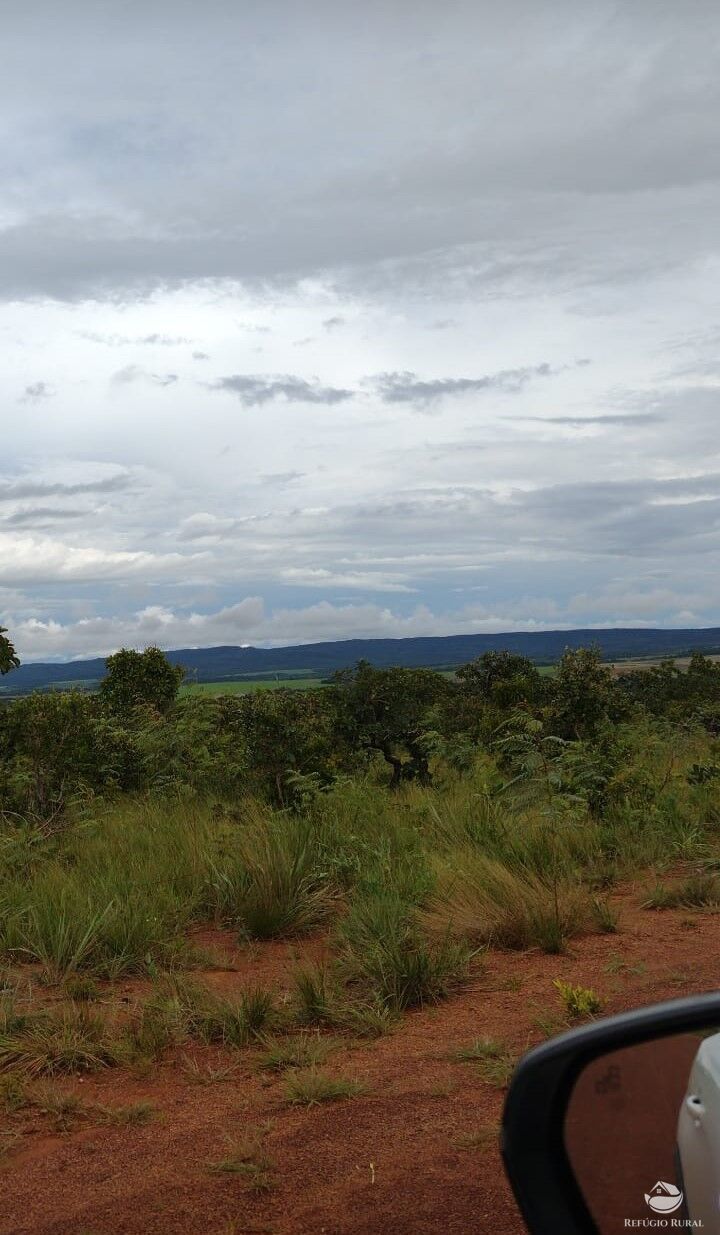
137	735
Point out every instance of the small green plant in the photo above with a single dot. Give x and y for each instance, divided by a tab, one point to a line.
310	1087
481	1048
606	916
578	1001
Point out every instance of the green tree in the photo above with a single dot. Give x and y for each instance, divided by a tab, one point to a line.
389	710
136	679
584	694
8	658
503	679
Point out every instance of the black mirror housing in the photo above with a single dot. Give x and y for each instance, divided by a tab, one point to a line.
533	1143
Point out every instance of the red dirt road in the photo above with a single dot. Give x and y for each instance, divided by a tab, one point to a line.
394	1160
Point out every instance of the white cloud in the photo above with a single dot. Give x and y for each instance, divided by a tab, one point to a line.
470	209
29	559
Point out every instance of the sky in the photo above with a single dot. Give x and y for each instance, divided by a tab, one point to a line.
325	320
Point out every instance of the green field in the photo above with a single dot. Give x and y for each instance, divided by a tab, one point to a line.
246	687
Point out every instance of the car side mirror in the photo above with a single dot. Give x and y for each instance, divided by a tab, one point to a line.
616	1126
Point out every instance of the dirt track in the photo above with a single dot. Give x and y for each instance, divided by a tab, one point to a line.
391	1161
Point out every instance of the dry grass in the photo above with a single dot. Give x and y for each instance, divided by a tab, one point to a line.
247	1158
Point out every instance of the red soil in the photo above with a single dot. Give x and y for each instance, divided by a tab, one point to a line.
392	1160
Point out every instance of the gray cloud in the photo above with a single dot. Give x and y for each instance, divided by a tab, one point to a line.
148	340
281	478
254	391
457	202
122	191
13	490
37	391
42	515
407	387
611	418
134	373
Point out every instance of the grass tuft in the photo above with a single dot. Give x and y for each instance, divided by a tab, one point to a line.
246	1157
481	900
701	891
481	1048
53	1043
310	1087
299	1051
386	956
284	892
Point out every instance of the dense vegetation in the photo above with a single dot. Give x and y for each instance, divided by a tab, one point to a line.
414	817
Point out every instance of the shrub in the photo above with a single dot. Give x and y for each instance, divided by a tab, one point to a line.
136	679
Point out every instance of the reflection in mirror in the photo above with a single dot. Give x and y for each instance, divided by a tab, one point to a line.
642	1133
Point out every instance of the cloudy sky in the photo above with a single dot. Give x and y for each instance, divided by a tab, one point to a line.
323	320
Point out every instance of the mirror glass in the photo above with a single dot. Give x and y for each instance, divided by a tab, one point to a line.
642	1133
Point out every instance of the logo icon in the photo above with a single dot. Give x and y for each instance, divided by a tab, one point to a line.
664	1198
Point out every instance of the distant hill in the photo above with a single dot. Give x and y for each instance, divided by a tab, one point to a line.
319	659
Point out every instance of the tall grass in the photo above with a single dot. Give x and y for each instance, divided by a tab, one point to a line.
406	883
384	952
481	900
285	892
117	891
